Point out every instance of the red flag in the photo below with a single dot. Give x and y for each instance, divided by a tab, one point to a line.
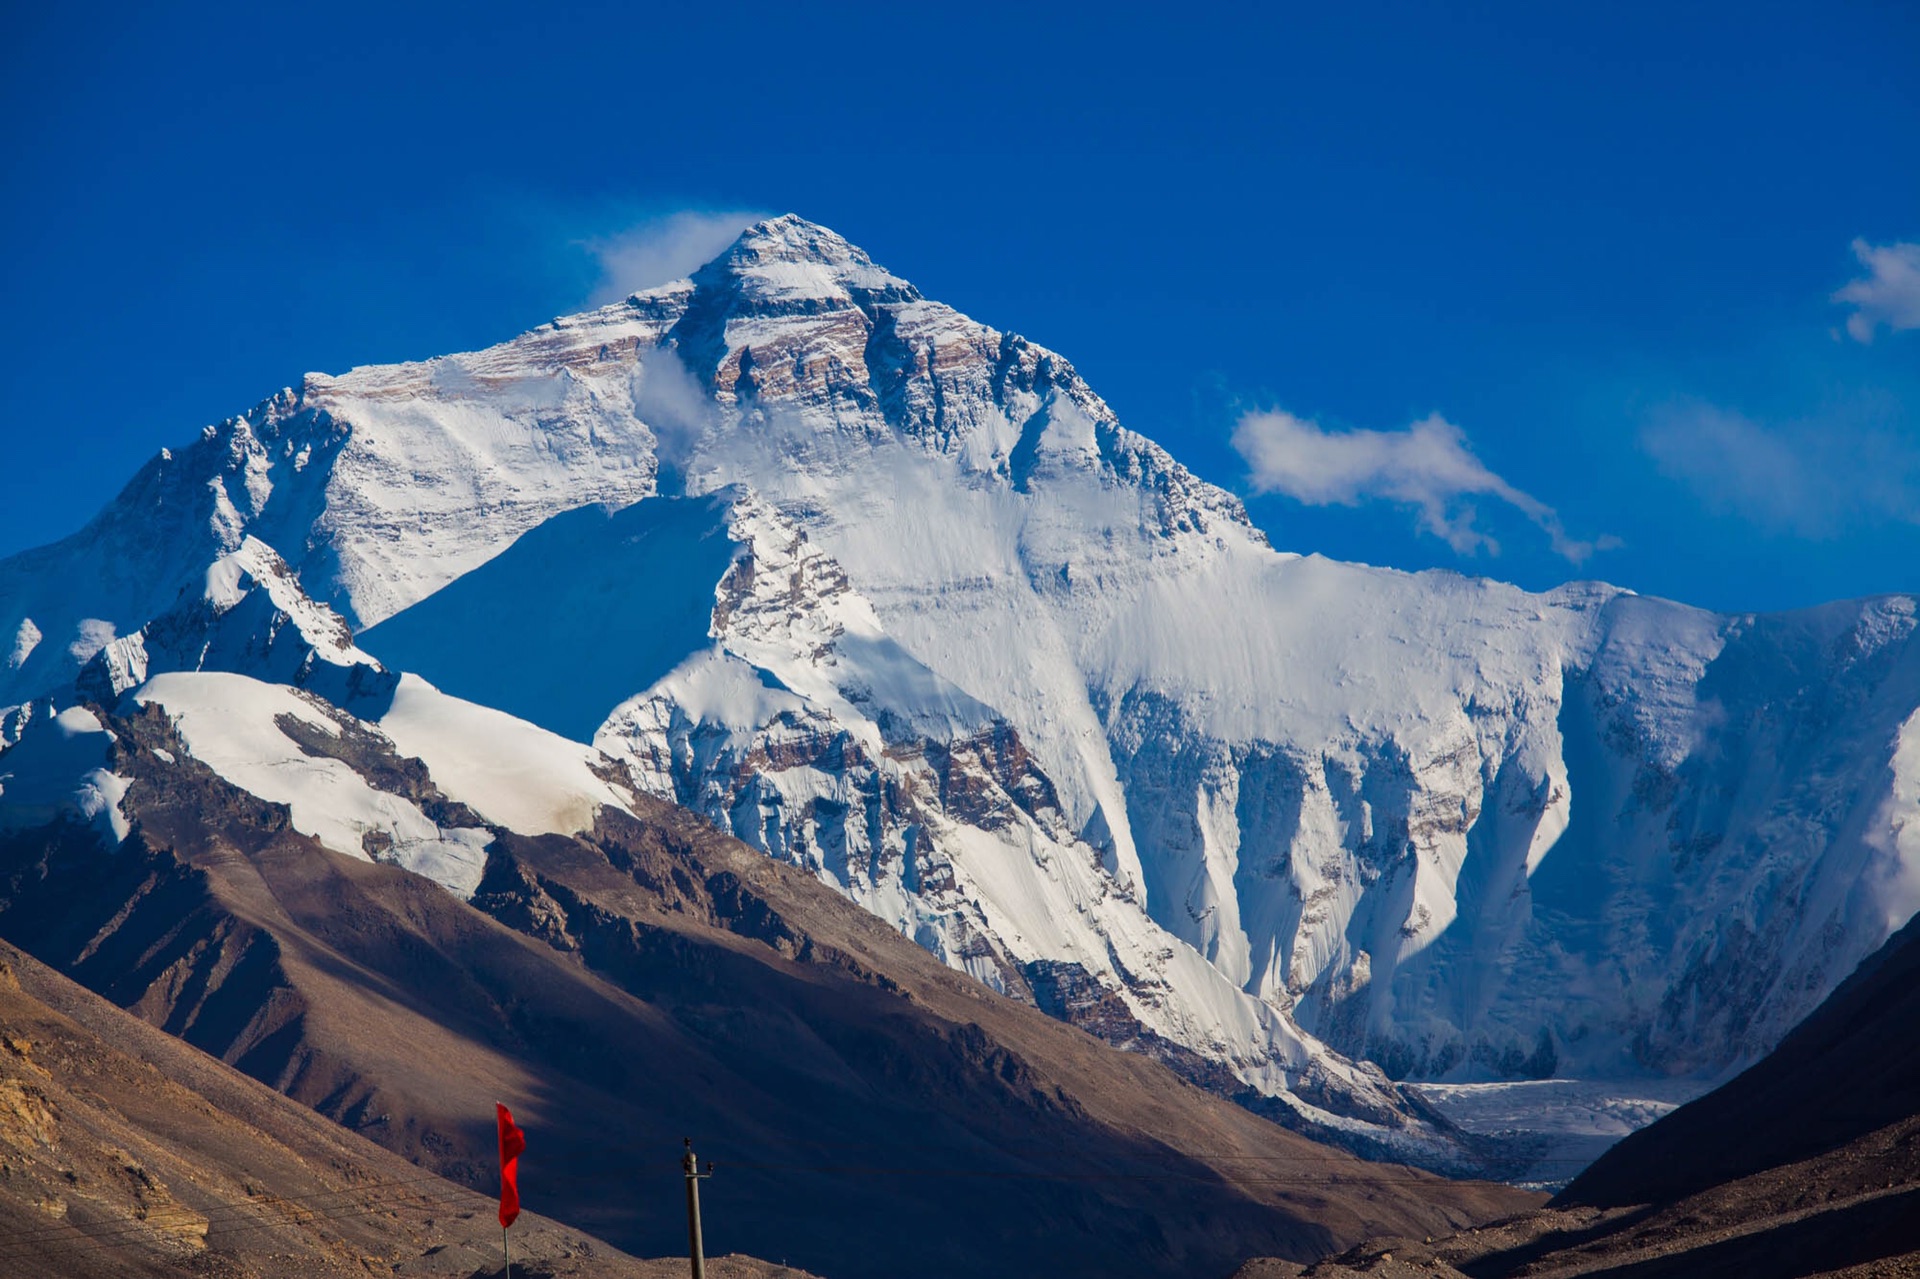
512	1142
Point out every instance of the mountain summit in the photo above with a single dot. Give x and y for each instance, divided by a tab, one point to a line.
893	596
790	262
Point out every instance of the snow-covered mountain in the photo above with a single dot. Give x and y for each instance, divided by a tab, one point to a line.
893	596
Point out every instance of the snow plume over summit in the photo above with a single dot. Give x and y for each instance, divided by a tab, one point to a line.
893	596
660	250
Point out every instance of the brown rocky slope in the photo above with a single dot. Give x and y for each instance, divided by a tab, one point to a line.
124	1152
872	1111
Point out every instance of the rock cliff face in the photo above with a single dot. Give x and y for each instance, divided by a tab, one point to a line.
892	596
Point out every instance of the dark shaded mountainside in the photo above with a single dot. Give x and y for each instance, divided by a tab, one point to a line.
1808	1163
872	1112
124	1152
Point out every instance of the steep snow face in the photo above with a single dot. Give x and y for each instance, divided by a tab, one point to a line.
574	617
377	488
927	618
61	767
250	615
1748	839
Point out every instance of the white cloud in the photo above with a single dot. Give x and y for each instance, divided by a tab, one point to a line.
1428	466
1738	465
662	249
1811	477
1890	293
673	403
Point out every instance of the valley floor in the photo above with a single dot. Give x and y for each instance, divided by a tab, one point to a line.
1541	1132
1852	1213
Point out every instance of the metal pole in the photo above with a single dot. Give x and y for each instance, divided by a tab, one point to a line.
506	1250
695	1249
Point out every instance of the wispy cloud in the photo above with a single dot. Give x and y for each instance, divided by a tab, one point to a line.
1428	466
1889	294
1737	465
1813	477
673	404
662	249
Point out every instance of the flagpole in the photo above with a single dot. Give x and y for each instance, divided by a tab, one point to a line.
512	1143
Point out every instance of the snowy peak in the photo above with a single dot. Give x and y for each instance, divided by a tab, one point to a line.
816	358
187	508
789	312
792	350
789	263
249	616
924	617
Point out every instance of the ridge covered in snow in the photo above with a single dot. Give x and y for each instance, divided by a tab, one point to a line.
892	595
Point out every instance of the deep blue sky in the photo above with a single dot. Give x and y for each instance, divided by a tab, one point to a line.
1601	241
